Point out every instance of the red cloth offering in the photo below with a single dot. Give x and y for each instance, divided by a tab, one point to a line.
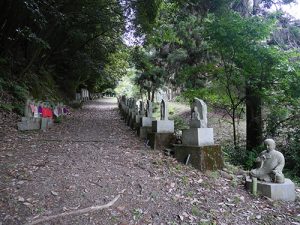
47	113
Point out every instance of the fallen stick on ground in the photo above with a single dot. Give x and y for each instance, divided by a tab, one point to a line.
76	212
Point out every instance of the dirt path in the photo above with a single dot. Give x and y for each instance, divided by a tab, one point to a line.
93	156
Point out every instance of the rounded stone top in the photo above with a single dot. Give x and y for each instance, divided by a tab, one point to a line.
271	143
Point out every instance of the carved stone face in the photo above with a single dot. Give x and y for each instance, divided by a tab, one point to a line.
270	144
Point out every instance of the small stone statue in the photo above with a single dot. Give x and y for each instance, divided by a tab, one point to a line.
199	111
141	108
271	164
163	110
149	108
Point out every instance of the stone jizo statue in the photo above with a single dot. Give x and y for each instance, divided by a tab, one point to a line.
163	110
141	108
271	164
199	111
149	109
133	103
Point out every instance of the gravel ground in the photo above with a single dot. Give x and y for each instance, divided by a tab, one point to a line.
92	157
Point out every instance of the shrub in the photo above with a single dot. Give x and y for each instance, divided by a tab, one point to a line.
179	123
240	156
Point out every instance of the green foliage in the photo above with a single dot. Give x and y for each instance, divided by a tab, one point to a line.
6	106
57	48
127	87
240	156
58	119
179	123
146	13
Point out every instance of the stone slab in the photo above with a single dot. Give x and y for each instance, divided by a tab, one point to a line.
284	191
146	121
143	131
50	122
160	140
29	124
44	123
201	157
132	123
137	121
163	126
128	118
198	136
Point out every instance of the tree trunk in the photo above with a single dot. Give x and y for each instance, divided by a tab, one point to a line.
253	107
234	128
152	98
254	118
149	94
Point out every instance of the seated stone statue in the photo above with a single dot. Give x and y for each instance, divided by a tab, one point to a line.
271	164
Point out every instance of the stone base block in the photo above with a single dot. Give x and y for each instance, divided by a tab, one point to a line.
163	126
29	124
50	122
284	192
146	121
132	121
44	124
160	140
137	122
138	119
198	136
143	131
203	158
128	118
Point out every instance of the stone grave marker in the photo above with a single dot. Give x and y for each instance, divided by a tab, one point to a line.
198	146
162	130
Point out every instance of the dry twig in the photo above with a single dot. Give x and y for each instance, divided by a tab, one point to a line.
76	212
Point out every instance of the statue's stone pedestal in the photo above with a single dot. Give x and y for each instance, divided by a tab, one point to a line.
46	123
124	111
204	158
284	191
145	126
160	140
128	118
163	126
146	121
137	121
142	132
29	123
198	136
132	120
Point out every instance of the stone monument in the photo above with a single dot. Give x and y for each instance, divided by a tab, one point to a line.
140	114
131	111
164	125
31	119
198	134
162	130
134	113
145	125
270	179
198	146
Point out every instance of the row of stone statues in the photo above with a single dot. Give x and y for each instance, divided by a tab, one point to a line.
271	161
197	147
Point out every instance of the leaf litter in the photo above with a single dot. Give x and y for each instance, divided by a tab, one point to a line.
96	157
